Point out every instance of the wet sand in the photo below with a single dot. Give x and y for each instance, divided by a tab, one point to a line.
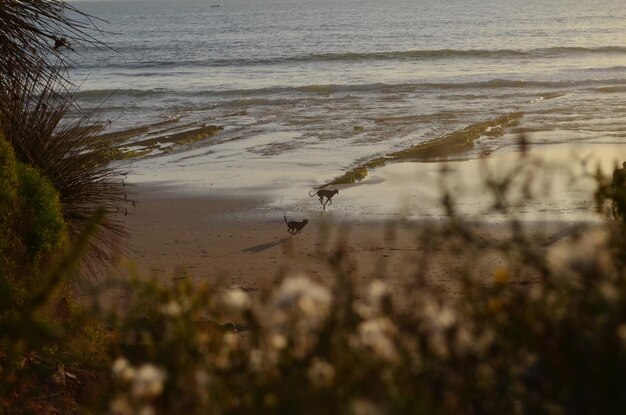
238	243
232	239
183	232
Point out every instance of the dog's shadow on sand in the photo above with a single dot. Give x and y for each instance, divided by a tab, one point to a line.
263	247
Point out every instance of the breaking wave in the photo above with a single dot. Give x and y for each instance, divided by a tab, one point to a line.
406	55
325	89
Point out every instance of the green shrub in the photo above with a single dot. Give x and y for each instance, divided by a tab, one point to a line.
32	228
44	230
45	337
67	151
8	186
8	179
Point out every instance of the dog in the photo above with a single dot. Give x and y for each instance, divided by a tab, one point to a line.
294	227
328	194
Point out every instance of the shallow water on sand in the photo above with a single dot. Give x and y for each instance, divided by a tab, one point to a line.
307	90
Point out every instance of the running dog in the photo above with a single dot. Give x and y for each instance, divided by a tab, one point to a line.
294	227
328	194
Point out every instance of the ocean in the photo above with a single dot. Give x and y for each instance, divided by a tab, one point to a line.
307	90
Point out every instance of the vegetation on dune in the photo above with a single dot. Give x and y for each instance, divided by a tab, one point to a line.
34	102
39	326
52	186
68	154
32	225
40	213
44	334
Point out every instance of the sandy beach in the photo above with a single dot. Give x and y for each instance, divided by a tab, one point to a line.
234	240
178	232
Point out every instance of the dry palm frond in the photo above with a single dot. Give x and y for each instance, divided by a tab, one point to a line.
34	34
35	121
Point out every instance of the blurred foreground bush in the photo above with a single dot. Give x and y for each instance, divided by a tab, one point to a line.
47	130
545	335
41	328
557	345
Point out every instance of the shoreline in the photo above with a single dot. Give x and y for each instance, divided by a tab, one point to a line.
561	187
239	238
238	242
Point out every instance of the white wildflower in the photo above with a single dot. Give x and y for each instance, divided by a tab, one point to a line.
172	309
438	317
278	341
300	292
363	309
376	293
377	334
120	406
122	370
237	300
296	311
445	318
371	305
148	381
230	340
